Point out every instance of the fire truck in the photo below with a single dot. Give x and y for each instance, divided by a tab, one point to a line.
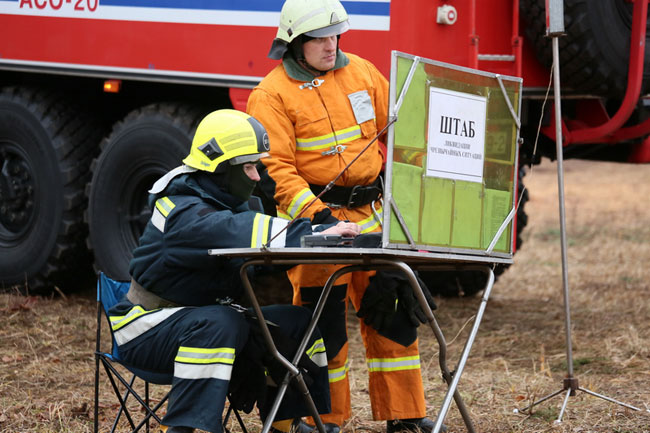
98	98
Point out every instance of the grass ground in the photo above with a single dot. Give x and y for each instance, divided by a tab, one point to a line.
46	344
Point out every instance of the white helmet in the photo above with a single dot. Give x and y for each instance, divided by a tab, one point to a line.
314	18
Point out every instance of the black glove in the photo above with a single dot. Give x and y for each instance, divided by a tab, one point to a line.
379	302
408	301
389	291
248	380
324	217
287	347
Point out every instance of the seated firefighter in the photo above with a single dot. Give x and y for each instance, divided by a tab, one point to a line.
178	316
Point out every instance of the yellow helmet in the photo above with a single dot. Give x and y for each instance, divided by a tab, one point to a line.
227	135
314	18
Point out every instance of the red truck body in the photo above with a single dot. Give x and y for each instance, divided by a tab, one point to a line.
78	35
203	55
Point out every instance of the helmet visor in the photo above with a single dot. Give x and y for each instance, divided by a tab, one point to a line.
333	30
248	158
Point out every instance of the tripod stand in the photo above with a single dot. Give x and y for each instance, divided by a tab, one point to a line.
570	383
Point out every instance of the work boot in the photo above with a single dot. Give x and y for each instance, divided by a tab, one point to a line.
329	427
415	425
300	426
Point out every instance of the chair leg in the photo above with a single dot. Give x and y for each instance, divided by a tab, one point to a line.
230	411
112	373
113	290
97	356
96	410
146	399
225	420
150	412
241	422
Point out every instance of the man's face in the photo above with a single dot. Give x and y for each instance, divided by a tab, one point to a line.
320	53
251	172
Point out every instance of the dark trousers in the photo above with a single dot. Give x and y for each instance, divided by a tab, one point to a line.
199	402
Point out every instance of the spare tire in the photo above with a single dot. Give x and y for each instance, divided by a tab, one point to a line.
594	53
149	142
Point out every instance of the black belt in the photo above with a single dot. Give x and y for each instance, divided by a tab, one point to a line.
349	196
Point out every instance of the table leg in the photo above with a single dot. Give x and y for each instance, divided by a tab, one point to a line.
451	379
451	392
292	370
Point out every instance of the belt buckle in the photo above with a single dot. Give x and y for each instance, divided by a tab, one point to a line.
353	193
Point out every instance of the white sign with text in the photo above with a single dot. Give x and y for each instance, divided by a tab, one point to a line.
456	136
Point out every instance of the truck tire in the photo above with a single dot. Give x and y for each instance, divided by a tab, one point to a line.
594	53
469	283
45	151
146	144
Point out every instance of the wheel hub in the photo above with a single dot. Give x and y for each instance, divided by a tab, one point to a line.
137	208
16	191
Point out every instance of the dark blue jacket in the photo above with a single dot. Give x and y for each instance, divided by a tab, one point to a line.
191	216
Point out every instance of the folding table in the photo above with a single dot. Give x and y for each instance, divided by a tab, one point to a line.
356	259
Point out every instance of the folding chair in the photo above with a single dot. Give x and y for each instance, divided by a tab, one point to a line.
110	292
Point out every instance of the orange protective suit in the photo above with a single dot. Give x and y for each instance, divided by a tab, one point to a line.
315	129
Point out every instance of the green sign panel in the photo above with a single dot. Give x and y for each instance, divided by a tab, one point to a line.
451	175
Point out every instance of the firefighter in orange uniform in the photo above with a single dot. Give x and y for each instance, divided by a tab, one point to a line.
321	107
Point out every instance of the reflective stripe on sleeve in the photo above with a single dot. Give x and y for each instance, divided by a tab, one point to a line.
282	214
394	364
278	226
260	232
299	201
137	321
328	140
369	224
336	374
165	205
158	220
160	211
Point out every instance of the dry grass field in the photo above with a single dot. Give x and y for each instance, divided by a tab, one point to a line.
46	344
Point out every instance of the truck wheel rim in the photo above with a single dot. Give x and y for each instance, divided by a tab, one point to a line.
16	192
138	212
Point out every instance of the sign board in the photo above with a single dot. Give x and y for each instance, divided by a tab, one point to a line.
451	170
456	135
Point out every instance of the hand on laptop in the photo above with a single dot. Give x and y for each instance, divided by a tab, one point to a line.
343	228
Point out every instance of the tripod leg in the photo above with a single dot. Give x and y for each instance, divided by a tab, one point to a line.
541	400
566	400
595	394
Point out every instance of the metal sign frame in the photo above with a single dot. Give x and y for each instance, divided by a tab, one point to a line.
391	208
